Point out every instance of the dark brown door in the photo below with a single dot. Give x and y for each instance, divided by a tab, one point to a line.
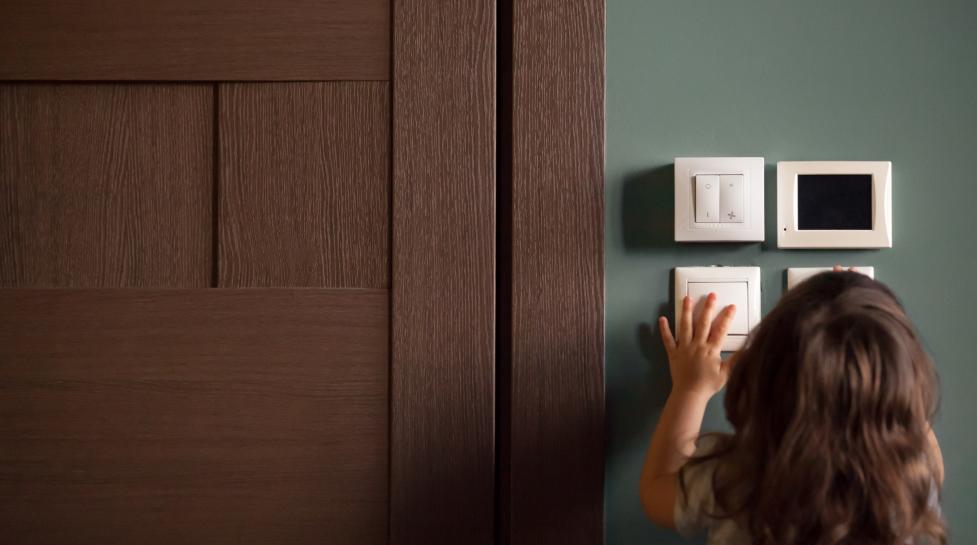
247	266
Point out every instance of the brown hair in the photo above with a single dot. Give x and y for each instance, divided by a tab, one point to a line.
831	401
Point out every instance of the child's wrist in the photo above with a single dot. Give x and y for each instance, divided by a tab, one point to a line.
691	393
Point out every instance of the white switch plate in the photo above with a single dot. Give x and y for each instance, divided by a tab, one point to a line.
728	284
796	275
750	229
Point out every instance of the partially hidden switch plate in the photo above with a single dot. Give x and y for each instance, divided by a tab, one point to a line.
739	286
796	275
735	214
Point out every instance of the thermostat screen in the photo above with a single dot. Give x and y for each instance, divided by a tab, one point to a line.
834	201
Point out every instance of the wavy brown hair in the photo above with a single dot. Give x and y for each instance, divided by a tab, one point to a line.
831	402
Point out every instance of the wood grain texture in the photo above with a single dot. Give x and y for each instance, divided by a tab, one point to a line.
193	416
442	376
552	489
304	184
106	185
183	40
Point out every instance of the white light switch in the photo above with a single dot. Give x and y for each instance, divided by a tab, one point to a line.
738	286
796	275
719	199
731	198
706	198
727	293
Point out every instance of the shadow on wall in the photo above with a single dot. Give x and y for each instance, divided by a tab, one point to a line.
648	222
648	209
770	205
638	397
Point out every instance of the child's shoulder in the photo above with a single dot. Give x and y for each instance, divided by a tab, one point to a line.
695	505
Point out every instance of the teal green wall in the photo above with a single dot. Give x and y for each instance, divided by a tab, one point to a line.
788	80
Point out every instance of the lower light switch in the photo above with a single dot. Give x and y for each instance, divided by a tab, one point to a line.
738	286
727	293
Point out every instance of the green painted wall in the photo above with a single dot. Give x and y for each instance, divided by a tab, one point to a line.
787	80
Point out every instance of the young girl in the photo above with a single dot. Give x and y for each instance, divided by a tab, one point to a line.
830	401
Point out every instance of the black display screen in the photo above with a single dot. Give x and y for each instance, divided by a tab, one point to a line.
834	201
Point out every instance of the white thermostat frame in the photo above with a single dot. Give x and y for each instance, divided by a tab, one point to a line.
688	230
789	236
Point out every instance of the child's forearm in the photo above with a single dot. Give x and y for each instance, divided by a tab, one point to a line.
671	445
674	439
697	373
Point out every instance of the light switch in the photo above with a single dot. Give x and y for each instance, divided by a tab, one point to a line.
719	199
738	286
796	275
706	198
727	293
731	198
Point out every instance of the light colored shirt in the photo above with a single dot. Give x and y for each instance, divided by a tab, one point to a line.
693	506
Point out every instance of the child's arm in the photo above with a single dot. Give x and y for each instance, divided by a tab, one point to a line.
697	373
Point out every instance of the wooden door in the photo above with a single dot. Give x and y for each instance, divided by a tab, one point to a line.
247	271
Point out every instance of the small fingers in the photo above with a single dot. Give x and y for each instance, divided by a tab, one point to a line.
721	326
685	322
666	332
702	325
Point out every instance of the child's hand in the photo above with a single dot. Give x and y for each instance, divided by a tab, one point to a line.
693	360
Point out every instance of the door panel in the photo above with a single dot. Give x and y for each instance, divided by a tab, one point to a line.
443	366
304	184
258	415
193	416
106	185
195	40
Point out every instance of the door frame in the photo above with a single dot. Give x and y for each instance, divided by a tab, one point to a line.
551	295
498	295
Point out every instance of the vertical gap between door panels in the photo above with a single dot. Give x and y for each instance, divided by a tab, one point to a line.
503	269
215	193
390	267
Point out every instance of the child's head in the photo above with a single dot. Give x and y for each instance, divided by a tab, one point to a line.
831	401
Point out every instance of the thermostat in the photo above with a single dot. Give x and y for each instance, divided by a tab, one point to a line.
718	199
834	204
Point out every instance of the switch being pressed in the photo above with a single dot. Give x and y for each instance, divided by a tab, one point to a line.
707	198
731	198
738	286
727	293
